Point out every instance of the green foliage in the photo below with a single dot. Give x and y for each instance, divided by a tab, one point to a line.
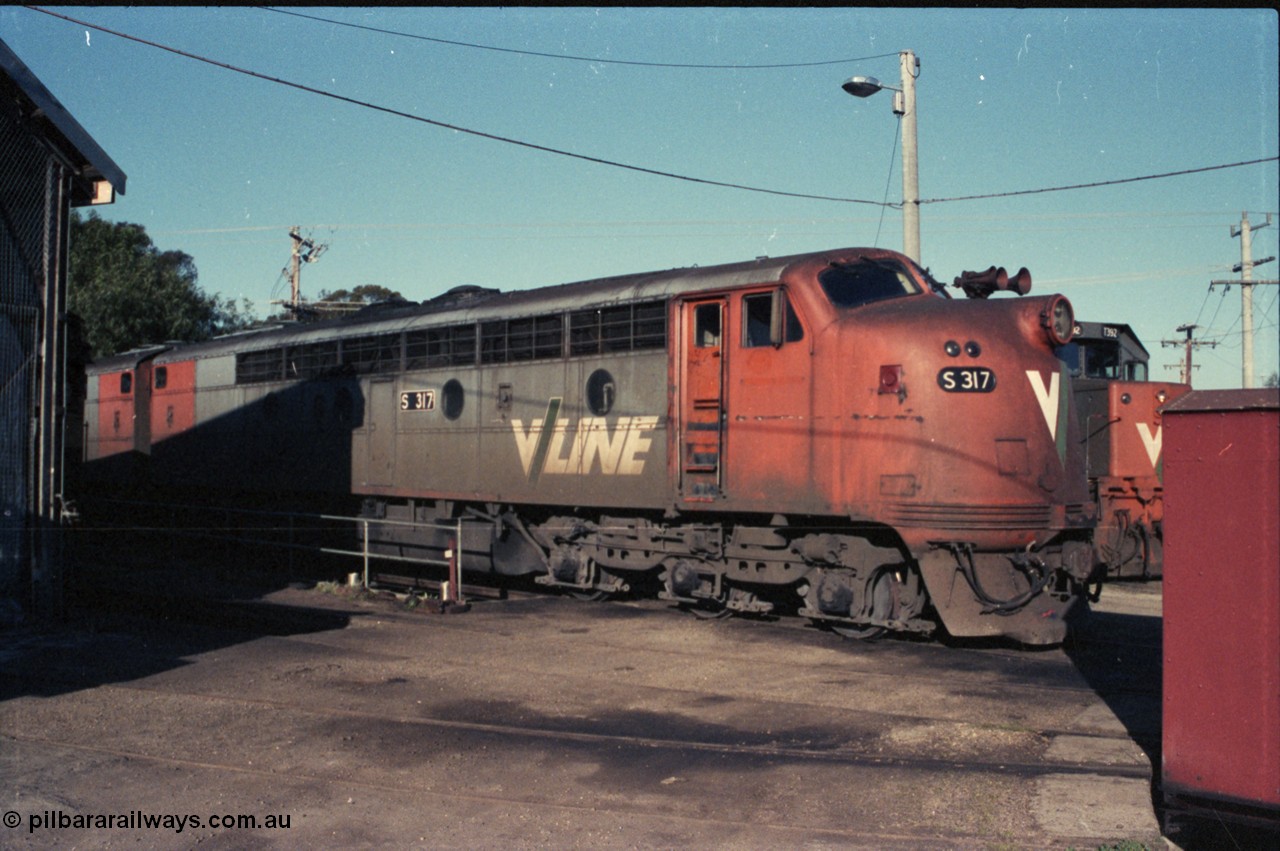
339	303
129	293
363	294
1273	380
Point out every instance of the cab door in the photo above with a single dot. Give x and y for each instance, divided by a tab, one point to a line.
702	404
770	380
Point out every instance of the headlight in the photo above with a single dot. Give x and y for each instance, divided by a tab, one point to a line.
1058	320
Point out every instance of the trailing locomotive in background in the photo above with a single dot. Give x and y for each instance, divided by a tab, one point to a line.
829	435
1120	417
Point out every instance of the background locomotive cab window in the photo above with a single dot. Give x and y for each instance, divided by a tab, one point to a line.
706	327
126	383
1102	361
758	320
162	377
856	284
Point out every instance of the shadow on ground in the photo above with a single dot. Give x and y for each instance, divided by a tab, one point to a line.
130	614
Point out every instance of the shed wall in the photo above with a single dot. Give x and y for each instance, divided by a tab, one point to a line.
1222	601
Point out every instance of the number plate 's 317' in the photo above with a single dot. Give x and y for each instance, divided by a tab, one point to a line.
418	400
967	379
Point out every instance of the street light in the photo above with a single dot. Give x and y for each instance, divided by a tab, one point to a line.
904	104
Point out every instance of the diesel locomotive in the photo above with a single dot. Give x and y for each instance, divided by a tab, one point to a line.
1120	413
830	435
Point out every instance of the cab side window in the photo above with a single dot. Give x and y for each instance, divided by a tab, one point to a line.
706	320
757	318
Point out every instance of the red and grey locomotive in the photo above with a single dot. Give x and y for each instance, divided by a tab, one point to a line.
829	434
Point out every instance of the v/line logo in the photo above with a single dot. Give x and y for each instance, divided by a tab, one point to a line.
1151	442
620	451
1054	404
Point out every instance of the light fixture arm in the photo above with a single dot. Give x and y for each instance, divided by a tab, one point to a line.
904	105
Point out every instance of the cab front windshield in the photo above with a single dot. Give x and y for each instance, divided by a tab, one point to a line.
866	281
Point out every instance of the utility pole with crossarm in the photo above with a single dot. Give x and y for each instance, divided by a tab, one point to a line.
1246	283
1189	344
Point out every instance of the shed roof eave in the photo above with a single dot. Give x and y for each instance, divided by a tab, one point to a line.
64	133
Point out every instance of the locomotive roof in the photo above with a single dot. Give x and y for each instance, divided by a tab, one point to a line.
1117	331
126	360
472	303
469	304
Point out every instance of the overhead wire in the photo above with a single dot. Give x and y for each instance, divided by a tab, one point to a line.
893	152
613	163
278	287
445	125
1098	183
595	60
1215	312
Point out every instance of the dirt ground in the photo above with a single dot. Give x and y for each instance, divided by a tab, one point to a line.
175	708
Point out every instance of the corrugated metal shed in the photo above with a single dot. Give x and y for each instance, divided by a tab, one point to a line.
48	164
1222	603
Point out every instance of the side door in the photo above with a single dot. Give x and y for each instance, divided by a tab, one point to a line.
380	428
702	403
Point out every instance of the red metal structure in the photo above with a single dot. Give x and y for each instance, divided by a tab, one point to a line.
1222	604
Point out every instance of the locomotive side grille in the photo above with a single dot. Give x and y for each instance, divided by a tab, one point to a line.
971	516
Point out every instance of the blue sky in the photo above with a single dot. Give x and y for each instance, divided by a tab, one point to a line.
220	164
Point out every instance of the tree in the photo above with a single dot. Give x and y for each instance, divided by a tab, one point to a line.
342	302
1273	380
129	293
363	294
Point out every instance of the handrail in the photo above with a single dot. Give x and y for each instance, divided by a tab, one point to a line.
453	553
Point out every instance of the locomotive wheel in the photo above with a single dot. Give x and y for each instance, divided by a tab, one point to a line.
593	596
881	594
694	590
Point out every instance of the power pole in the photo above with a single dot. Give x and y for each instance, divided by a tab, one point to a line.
1189	344
910	67
304	251
1247	283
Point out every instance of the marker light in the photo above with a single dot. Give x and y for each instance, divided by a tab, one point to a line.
890	379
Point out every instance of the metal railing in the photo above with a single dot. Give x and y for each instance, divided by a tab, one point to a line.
294	525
